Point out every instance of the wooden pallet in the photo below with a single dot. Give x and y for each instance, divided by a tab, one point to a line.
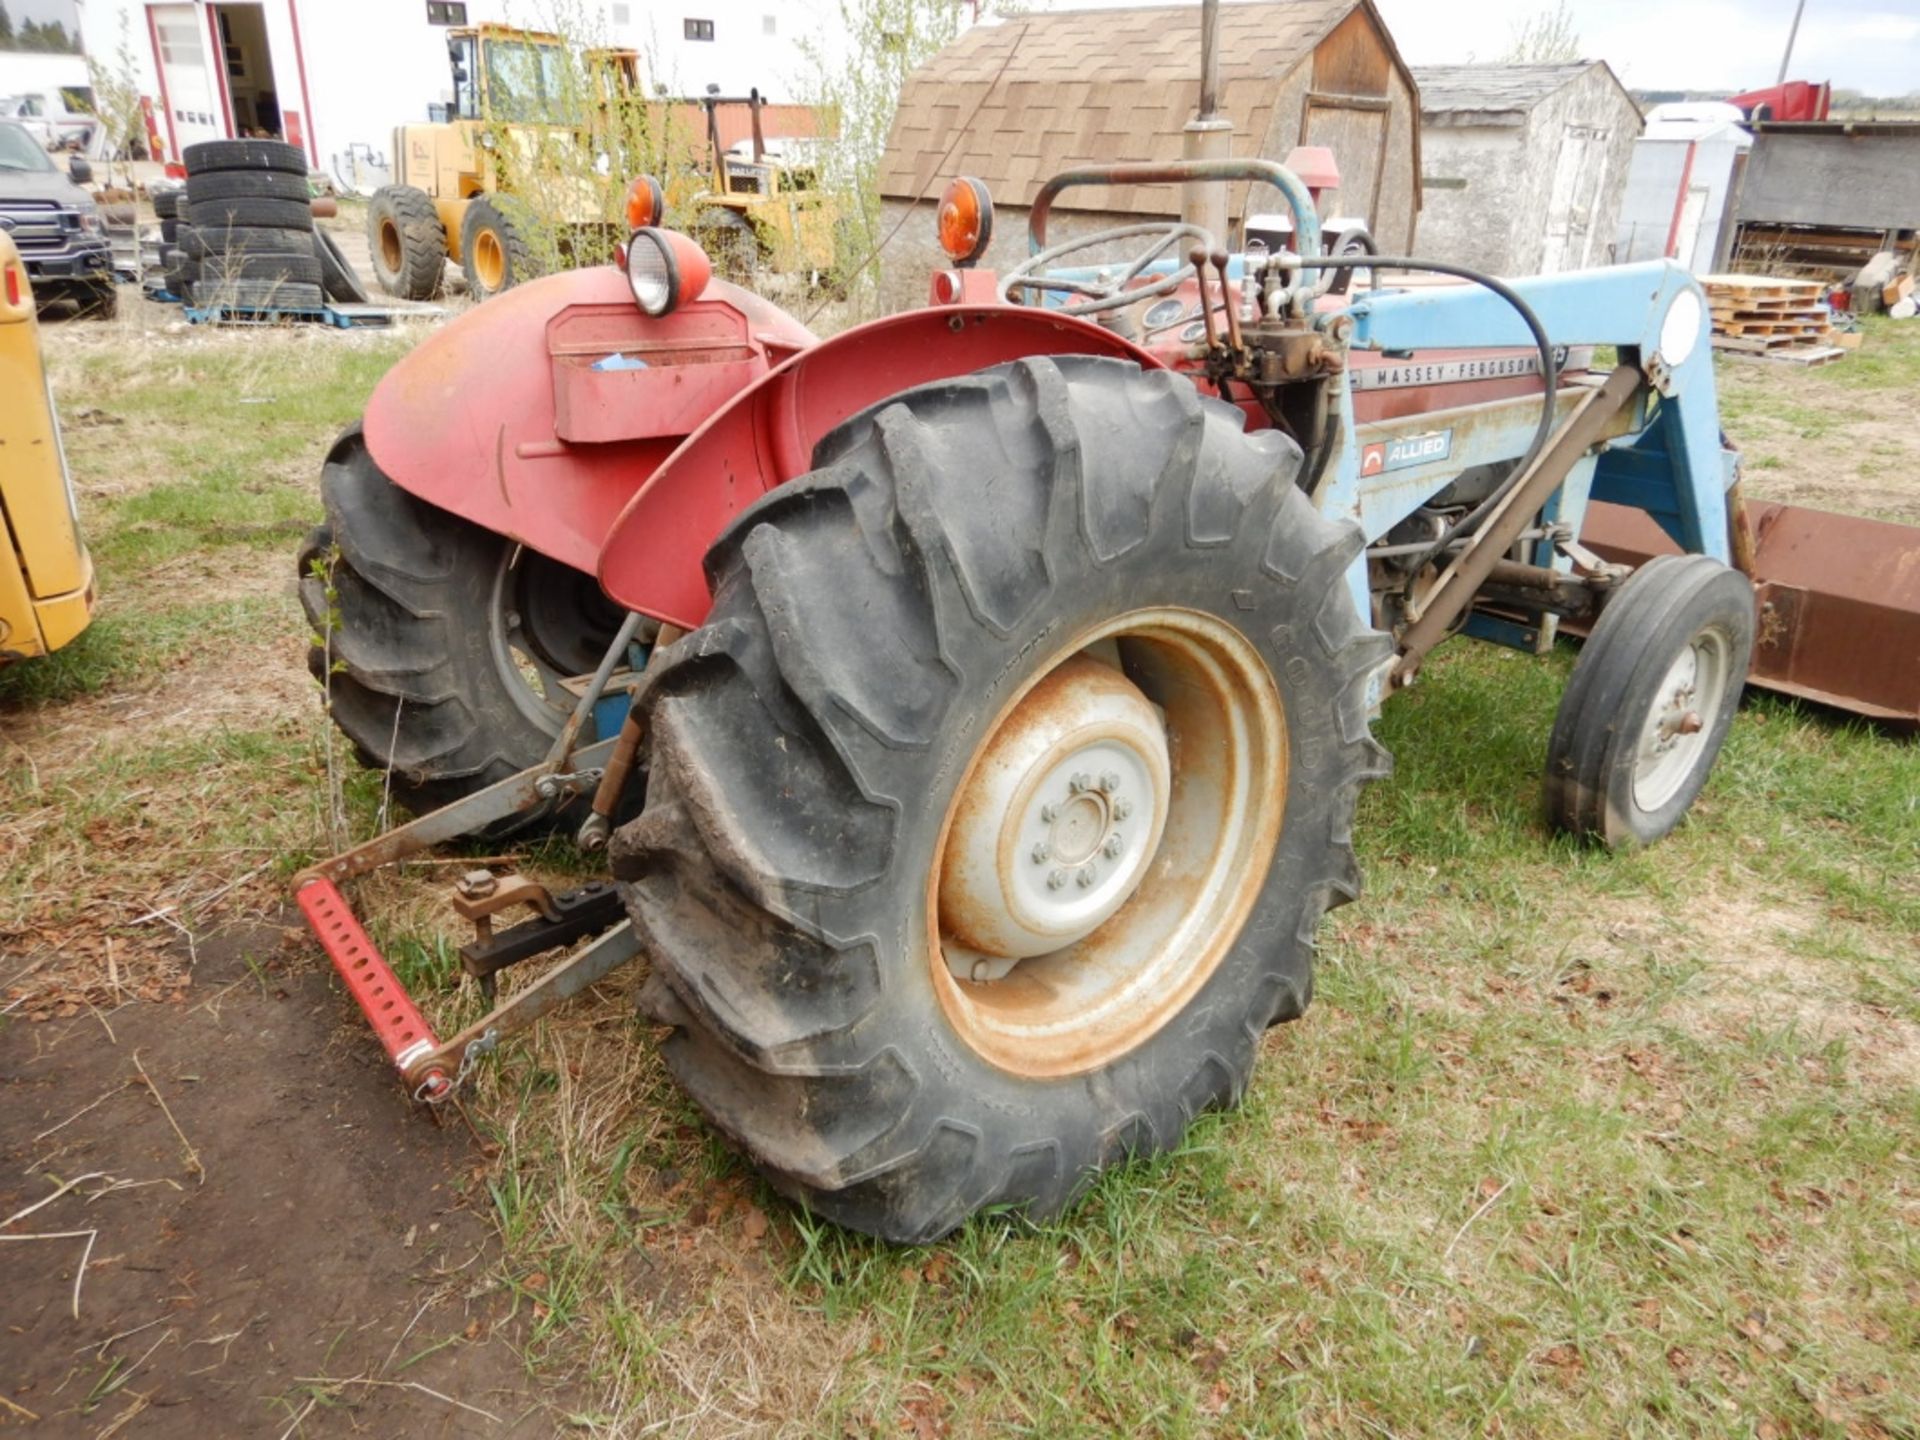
1802	354
1762	314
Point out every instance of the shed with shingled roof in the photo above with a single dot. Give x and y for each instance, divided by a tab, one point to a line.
1016	102
1524	165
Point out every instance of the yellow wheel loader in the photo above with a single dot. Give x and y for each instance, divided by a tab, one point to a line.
765	208
515	153
46	575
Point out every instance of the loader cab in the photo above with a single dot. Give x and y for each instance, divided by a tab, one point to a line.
508	75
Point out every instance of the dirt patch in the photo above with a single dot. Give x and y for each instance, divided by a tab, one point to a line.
1758	972
308	1258
1806	441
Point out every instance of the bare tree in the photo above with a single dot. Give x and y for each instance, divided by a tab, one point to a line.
1546	37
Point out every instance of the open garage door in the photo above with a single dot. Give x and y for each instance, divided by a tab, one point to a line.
189	86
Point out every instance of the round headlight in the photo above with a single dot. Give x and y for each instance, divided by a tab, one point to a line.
665	269
651	273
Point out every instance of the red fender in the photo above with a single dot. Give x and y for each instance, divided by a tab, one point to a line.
501	417
765	435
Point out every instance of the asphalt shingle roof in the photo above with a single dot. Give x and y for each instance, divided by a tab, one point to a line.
1084	87
1482	94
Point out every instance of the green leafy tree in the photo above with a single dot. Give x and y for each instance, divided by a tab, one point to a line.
1547	37
7	40
887	40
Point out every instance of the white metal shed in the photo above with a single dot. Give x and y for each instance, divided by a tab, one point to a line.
1523	165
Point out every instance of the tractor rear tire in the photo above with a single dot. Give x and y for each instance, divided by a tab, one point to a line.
426	667
1650	701
965	557
494	254
407	242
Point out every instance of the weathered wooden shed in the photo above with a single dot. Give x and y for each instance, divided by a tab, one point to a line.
1017	102
1523	166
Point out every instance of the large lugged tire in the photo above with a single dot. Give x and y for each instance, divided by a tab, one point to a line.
407	242
421	677
1650	701
494	254
986	585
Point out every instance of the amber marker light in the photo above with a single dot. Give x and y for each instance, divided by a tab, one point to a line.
645	202
965	221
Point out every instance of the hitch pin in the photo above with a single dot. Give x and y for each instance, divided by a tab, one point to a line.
1197	257
1219	258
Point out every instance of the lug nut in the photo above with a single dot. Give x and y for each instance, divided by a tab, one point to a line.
1080	783
1041	853
1122	809
1113	846
1110	781
1085	876
1057	879
1048	813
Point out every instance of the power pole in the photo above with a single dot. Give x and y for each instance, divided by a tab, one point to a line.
1792	35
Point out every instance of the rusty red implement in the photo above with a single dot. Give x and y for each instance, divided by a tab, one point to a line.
395	1019
1838	595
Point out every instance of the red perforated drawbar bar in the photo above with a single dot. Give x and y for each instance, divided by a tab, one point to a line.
371	982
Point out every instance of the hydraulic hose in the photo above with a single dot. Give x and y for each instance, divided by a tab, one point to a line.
1549	372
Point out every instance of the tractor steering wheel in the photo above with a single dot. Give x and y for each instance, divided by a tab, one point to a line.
1099	296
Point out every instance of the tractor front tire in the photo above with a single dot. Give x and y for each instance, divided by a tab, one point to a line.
494	254
1650	701
993	810
407	243
441	645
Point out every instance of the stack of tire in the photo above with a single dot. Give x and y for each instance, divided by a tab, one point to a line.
245	228
177	269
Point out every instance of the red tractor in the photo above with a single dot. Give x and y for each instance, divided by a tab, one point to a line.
973	705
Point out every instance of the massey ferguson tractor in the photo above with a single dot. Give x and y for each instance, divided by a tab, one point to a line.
972	706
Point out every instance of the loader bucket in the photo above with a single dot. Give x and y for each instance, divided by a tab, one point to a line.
1838	596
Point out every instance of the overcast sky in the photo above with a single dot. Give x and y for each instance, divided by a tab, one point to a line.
1868	45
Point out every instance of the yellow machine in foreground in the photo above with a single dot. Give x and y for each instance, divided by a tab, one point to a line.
521	106
46	575
766	209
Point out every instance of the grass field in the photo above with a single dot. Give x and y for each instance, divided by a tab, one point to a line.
1570	1143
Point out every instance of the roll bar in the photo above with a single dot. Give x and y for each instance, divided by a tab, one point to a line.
1306	220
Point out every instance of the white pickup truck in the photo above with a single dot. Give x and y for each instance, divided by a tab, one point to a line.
56	118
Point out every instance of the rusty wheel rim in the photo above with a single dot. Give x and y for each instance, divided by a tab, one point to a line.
392	253
489	260
1106	842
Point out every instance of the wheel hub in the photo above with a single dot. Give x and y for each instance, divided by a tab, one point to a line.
1673	740
1062	814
